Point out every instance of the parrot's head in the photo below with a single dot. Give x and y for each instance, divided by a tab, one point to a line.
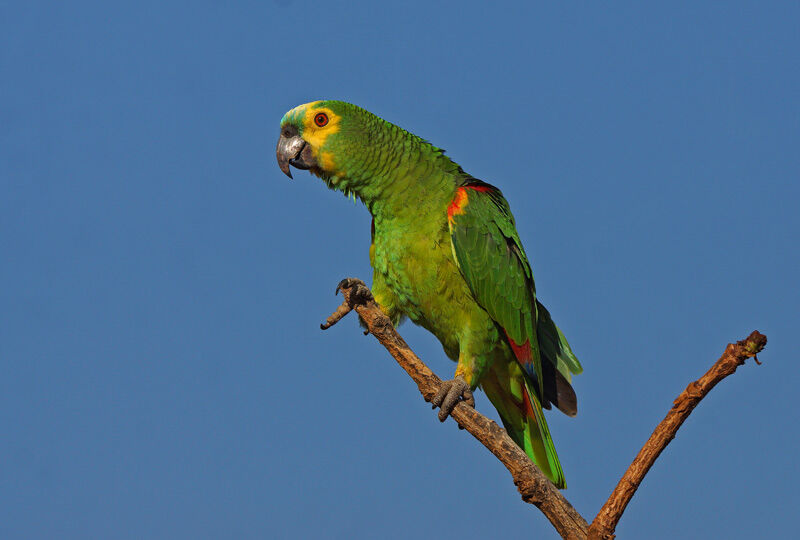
348	147
319	137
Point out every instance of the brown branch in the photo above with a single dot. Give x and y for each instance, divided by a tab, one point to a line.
734	356
532	484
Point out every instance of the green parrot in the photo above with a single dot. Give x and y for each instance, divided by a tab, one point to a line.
446	254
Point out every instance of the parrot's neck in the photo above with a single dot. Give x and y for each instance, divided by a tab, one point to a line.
403	182
409	195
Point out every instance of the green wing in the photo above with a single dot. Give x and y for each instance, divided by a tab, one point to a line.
489	253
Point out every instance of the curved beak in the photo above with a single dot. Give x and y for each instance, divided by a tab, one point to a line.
293	150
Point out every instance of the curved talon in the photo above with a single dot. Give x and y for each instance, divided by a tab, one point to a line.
348	283
360	292
357	294
449	394
342	285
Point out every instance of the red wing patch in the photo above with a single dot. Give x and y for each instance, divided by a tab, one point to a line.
457	204
482	189
461	199
522	352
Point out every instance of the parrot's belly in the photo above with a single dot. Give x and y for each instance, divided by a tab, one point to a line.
420	271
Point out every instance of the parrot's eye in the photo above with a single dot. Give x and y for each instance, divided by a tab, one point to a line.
321	119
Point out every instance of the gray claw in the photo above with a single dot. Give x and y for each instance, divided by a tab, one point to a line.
342	284
449	394
361	292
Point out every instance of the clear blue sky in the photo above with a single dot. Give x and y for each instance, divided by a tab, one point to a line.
162	371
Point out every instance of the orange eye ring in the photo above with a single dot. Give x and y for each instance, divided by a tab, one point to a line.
321	119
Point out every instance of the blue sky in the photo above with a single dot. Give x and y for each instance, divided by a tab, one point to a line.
162	372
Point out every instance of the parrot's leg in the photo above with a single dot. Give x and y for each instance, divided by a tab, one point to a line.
449	394
386	298
473	359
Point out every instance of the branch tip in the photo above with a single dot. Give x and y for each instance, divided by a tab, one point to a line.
343	309
753	344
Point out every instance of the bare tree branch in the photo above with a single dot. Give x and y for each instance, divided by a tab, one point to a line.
734	356
532	484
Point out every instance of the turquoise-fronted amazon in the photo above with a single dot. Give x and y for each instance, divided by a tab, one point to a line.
446	254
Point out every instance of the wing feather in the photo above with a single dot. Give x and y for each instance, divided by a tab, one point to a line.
489	253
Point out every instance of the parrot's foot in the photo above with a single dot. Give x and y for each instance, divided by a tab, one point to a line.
450	394
360	292
356	293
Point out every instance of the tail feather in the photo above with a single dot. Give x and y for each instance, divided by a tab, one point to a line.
513	395
554	346
559	363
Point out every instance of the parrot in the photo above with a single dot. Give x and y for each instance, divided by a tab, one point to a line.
446	254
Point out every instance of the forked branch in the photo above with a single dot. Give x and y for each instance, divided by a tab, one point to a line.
532	484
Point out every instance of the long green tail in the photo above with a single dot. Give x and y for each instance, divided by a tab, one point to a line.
512	394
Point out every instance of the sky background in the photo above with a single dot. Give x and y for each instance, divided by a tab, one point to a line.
162	371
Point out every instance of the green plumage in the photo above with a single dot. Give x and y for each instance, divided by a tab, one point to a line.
446	254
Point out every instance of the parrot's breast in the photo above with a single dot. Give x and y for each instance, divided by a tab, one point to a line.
417	264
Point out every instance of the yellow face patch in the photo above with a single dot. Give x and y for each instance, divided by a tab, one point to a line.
326	161
317	123
314	134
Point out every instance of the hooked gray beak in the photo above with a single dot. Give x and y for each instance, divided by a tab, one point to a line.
293	150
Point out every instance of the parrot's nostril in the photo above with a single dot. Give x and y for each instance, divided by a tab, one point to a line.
289	131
